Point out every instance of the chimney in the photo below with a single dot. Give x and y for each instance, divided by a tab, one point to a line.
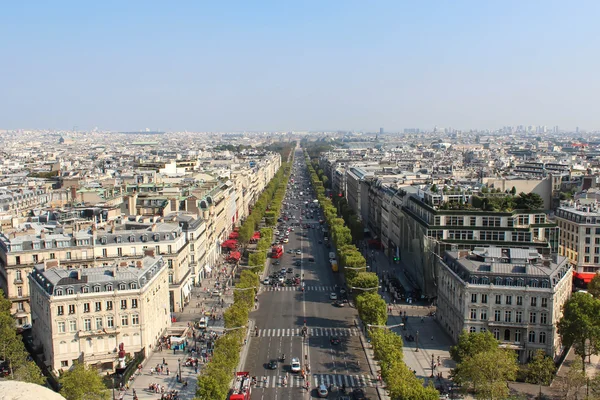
153	227
139	264
115	270
463	253
149	252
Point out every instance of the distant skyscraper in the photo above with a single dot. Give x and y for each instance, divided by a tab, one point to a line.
381	131
576	129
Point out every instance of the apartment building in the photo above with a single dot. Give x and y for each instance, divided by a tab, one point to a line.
83	315
579	224
22	249
515	293
433	222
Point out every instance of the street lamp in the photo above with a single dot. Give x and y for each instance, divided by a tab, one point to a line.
179	369
248	288
365	289
417	341
432	365
384	326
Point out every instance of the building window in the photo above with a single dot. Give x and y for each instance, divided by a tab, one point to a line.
473	313
483	329
134	303
498	299
119	252
171	278
133	285
98	305
73	326
507	316
497	315
98	323
473	297
508	300
472	329
170	262
543	318
96	289
543	337
110	322
169	249
497	334
122	286
104	253
532	317
86	307
484	298
124	320
519	300
507	335
135	319
87	324
531	337
18	275
59	292
518	335
71	308
68	255
17	260
109	288
123	304
109	305
544	302
534	302
19	291
519	317
60	310
484	315
70	291
52	256
61	327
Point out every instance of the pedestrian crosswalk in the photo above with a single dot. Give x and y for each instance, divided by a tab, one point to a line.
293	380
307	288
311	332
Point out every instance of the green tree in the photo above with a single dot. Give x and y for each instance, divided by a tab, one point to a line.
210	388
513	191
593	287
540	369
486	373
235	316
365	280
470	344
372	309
82	382
529	201
28	371
581	322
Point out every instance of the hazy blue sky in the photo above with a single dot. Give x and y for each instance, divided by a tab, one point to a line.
280	65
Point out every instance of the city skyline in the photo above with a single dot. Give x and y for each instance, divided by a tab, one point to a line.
309	66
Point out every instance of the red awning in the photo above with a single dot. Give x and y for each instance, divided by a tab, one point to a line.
235	255
256	235
234	235
229	244
585	276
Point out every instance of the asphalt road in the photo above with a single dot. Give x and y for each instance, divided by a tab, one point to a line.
283	313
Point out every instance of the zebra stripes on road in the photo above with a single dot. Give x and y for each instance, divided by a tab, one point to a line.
276	381
307	288
311	332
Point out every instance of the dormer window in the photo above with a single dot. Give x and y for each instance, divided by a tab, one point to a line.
498	281
144	238
96	289
132	238
156	237
509	281
59	292
118	239
534	283
485	280
122	286
70	291
133	285
109	288
520	282
545	284
103	240
85	289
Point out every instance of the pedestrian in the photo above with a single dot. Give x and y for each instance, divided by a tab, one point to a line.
164	363
432	338
167	371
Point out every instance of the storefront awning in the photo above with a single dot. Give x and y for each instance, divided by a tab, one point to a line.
186	290
235	255
234	235
256	235
584	276
207	268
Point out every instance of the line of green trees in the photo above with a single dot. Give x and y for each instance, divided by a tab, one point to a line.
215	379
372	308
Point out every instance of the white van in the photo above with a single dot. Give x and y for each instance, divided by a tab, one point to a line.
203	324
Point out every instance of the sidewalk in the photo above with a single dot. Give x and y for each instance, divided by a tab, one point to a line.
427	336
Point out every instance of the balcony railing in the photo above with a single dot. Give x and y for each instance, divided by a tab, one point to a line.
99	332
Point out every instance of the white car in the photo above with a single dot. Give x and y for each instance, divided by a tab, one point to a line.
286	240
298	252
276	232
281	279
333	296
296	367
266	281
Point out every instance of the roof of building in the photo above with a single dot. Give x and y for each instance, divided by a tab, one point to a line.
17	390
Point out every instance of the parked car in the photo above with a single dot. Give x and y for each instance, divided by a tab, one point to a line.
322	391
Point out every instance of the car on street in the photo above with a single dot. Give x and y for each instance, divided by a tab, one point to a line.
216	293
290	270
295	365
311	259
276	262
358	394
272	364
298	252
335	340
297	263
322	391
281	279
333	296
286	240
338	303
267	281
